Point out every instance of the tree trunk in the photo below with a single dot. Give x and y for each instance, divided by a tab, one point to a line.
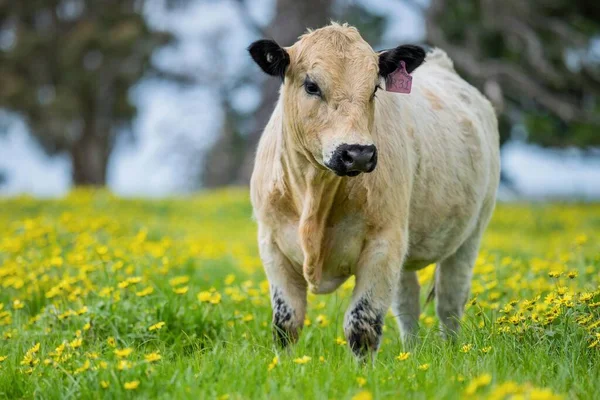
89	156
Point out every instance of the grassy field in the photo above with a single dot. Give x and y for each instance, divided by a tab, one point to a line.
104	297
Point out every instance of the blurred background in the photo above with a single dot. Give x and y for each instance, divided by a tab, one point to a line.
159	97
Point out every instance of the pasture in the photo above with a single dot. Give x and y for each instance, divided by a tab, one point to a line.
102	297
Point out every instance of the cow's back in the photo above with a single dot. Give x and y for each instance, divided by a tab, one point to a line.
451	131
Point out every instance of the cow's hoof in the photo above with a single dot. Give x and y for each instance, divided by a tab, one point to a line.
363	329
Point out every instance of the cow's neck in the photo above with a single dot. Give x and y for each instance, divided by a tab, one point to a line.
313	191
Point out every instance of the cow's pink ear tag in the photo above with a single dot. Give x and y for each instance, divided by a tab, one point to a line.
399	81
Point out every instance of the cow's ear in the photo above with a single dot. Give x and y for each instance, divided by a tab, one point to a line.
270	57
389	60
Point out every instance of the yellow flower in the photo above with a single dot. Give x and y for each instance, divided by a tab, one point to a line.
83	368
111	341
321	359
104	384
486	349
273	363
123	364
18	304
339	340
87	326
364	395
156	326
123	352
322	320
478	382
179	280
152	357
361	381
181	290
423	367
75	343
248	318
2	358
229	279
403	356
209	297
302	360
131	385
466	348
145	292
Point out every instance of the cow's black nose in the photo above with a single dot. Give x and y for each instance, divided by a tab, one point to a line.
352	159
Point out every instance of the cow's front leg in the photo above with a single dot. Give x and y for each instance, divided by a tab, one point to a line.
376	277
288	292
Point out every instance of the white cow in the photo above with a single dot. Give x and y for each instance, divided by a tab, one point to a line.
352	180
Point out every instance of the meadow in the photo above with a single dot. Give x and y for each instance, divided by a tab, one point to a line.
102	297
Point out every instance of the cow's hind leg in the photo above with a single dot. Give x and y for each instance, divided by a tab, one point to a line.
453	284
406	306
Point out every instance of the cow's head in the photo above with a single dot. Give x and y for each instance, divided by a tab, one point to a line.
330	78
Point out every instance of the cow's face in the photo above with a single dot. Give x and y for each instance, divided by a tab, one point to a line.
331	77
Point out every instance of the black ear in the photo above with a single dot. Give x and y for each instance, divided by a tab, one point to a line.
389	60
269	56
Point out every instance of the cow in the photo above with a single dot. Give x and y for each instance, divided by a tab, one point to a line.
352	179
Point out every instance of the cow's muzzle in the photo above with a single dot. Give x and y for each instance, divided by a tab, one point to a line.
352	159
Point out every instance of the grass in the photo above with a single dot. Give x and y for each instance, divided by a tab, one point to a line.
167	299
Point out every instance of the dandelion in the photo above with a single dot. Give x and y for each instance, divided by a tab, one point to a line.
363	395
273	363
111	341
486	350
18	304
156	326
145	292
466	348
339	340
181	290
403	356
2	358
361	381
423	367
302	360
321	359
248	318
322	320
122	353
554	274
131	385
179	280
572	274
152	357
478	382
123	365
83	368
104	384
229	279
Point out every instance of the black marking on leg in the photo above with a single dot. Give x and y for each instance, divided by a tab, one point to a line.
283	331
364	328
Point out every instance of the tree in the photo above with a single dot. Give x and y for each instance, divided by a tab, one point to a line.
66	66
533	58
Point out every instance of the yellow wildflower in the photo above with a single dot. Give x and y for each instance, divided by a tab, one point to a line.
364	395
156	326
181	290
145	292
131	385
122	353
152	357
423	367
302	360
403	356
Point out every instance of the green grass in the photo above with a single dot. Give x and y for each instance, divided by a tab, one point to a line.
61	255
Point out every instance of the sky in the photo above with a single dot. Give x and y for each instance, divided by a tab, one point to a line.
176	125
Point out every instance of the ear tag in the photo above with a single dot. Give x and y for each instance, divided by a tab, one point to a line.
399	81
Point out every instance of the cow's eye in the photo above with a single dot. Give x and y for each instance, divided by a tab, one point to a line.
312	88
